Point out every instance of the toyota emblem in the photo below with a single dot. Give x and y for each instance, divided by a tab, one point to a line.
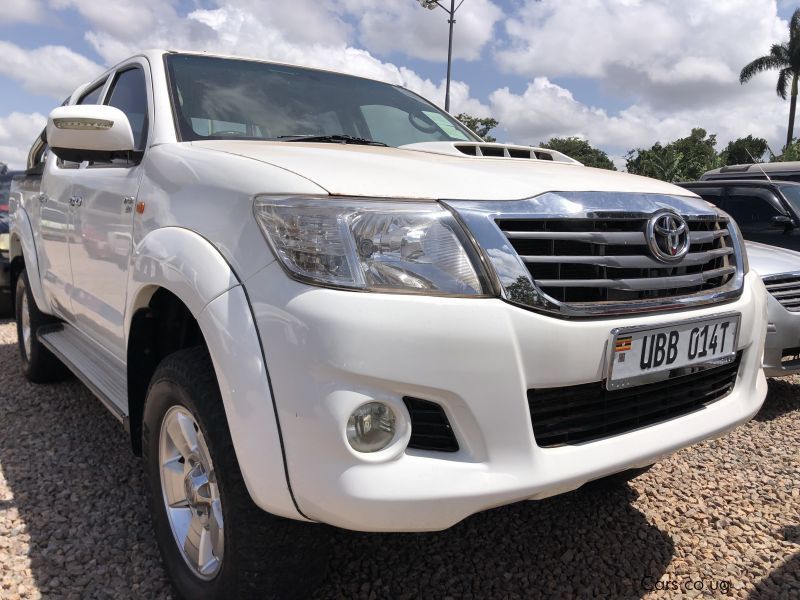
668	236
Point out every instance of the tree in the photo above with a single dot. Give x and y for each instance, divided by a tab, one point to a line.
698	153
790	153
784	58
659	162
685	159
480	125
744	150
582	151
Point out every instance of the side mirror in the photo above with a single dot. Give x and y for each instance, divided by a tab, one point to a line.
89	132
782	221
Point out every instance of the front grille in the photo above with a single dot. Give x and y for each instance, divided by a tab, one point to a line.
582	413
430	428
606	259
786	290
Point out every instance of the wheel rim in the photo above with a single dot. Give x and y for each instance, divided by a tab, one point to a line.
191	493
26	326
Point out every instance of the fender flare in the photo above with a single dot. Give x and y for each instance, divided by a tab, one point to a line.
190	267
23	232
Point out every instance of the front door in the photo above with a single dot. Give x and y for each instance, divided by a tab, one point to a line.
51	207
104	197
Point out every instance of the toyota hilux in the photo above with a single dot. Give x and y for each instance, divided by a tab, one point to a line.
313	298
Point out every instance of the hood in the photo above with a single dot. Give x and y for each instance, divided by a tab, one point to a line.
352	170
771	260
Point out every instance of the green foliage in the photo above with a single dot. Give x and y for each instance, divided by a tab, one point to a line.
480	125
790	152
582	151
744	150
685	159
784	58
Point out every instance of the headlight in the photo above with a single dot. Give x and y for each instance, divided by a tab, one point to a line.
4	241
387	246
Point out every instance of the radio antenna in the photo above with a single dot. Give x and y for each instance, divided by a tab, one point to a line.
760	168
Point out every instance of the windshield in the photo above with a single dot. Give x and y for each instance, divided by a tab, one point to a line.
224	98
792	194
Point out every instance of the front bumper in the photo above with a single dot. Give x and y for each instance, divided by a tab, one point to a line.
783	333
330	351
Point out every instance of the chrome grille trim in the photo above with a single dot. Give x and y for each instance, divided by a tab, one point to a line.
709	275
785	288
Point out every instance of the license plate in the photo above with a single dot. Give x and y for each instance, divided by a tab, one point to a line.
648	354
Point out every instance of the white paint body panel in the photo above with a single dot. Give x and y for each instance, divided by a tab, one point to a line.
330	351
783	329
394	172
327	351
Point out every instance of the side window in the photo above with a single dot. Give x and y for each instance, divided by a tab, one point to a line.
93	95
129	94
753	211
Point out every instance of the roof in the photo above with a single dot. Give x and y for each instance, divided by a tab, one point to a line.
771	167
739	182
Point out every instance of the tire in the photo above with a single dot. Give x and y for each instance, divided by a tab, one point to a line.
39	365
258	555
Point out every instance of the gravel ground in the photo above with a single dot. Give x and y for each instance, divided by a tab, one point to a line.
721	518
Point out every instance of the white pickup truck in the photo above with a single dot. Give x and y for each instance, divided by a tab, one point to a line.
312	297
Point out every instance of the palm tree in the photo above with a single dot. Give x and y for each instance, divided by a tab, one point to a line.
784	58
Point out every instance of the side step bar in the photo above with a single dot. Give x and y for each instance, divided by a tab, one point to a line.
103	374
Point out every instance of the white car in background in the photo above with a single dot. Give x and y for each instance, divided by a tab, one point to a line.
779	268
331	302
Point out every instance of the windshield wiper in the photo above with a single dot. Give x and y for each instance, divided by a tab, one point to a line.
338	138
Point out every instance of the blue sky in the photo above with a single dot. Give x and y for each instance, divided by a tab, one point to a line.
621	73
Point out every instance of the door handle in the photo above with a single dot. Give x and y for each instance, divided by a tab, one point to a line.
76	201
42	198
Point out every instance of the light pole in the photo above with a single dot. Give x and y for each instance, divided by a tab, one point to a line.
451	13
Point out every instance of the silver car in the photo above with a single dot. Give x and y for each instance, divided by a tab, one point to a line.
780	270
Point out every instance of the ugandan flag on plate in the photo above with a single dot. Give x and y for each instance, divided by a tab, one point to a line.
623	344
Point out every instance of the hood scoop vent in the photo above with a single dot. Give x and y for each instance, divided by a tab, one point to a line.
491	150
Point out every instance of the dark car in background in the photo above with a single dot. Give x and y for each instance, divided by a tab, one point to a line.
766	211
783	171
5	271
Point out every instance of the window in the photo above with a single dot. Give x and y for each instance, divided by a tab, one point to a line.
753	210
129	94
390	125
93	95
230	98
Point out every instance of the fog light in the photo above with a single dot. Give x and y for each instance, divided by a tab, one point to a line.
371	427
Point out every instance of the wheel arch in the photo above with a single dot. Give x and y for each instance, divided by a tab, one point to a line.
182	290
22	254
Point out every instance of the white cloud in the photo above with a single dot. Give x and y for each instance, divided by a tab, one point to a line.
546	110
22	11
17	132
236	30
49	70
118	17
407	28
667	52
670	64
